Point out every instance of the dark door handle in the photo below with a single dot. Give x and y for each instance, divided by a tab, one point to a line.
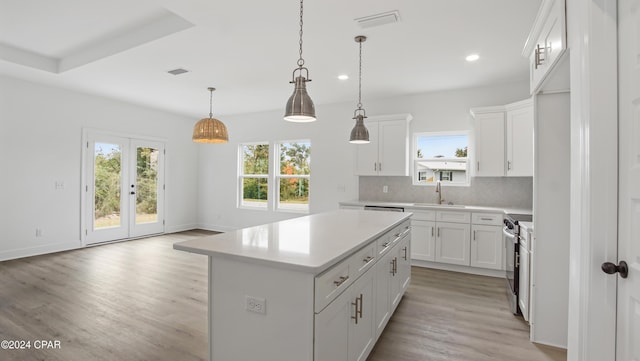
611	268
133	192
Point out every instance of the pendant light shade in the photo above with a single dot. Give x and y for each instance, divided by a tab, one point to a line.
210	130
359	133
300	107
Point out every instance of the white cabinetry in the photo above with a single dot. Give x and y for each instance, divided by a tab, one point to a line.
489	130
546	42
523	287
504	139
388	151
486	241
519	139
423	235
452	239
376	277
345	330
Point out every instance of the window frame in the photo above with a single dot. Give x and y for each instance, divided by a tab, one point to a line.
415	159
278	176
242	176
273	177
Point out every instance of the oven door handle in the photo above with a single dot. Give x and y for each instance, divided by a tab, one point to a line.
507	233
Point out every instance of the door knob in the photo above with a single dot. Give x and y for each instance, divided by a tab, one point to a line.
611	268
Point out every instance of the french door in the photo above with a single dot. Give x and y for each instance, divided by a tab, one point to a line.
123	187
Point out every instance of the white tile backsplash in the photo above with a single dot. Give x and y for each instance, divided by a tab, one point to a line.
512	192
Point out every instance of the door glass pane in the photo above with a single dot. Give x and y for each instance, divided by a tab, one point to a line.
147	185
108	178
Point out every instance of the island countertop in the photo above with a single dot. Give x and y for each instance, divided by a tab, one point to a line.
309	244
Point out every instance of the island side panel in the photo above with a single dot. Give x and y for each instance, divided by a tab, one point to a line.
284	332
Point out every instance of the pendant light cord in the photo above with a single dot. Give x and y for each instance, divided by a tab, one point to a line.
301	60
211	104
360	80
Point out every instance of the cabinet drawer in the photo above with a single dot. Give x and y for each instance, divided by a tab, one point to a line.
331	283
453	216
424	215
490	219
363	260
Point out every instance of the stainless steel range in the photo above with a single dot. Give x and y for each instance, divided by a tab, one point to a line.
511	232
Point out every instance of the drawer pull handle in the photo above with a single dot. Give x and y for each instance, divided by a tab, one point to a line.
368	259
386	244
539	55
405	253
486	219
341	280
394	266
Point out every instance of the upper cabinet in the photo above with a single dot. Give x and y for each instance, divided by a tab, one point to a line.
388	151
504	140
546	43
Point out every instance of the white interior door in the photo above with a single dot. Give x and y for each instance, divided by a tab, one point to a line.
124	188
628	309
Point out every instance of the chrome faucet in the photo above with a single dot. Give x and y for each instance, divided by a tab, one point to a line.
439	191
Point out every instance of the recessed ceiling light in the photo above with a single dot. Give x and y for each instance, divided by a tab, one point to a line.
472	57
178	71
343	77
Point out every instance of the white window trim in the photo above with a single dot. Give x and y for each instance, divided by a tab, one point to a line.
414	159
273	178
242	176
278	177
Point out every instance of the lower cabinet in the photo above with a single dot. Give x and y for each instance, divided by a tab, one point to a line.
345	329
452	243
423	240
348	327
486	246
523	287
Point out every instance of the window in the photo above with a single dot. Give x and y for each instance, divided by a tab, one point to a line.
441	157
283	186
254	175
293	177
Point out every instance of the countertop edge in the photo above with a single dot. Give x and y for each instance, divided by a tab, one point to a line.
312	269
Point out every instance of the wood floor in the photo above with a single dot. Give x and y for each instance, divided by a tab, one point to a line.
142	300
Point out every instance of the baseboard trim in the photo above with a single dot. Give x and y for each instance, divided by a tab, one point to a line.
458	268
180	228
40	250
214	227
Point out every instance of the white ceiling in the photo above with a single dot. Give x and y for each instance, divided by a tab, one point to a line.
248	49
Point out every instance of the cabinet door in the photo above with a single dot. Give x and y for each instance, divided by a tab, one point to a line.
452	243
489	131
393	148
486	246
403	270
523	287
423	240
362	332
367	154
332	330
382	291
520	142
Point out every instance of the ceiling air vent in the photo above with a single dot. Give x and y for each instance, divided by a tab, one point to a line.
378	19
178	71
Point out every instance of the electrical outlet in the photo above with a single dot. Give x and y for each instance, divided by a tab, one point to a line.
256	304
38	232
385	189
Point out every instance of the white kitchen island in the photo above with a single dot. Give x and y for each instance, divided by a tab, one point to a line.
319	287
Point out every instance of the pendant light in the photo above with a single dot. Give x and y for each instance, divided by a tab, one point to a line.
210	130
359	133
300	107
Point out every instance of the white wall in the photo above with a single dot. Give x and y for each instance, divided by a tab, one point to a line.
332	166
40	143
